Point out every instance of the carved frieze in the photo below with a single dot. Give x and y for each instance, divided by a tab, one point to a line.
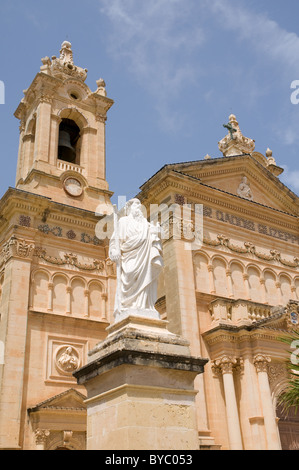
250	248
70	259
70	234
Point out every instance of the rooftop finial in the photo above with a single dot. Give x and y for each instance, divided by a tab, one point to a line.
66	54
234	143
270	158
64	65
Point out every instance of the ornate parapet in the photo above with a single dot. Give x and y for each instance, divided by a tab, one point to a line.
237	312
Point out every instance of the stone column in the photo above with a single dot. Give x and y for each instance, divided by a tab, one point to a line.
247	287
104	302
68	300
211	279
20	151
17	255
50	296
181	305
263	288
86	303
261	362
278	287
54	138
101	150
225	364
28	149
43	126
229	283
88	156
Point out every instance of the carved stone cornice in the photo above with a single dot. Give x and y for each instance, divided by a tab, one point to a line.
190	189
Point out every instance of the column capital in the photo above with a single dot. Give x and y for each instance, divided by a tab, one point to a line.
261	362
41	435
18	248
224	364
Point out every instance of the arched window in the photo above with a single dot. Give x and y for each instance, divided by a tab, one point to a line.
69	141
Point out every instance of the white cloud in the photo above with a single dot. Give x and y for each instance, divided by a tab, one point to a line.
276	46
264	34
149	36
157	40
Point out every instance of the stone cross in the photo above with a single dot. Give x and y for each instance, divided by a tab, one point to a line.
230	129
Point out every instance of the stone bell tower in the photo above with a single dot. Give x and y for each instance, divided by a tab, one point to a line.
62	135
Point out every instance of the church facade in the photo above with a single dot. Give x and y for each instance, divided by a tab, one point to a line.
231	295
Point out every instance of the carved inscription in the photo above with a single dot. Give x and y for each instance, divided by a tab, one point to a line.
250	225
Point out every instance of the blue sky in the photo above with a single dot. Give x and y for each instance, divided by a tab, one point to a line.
176	70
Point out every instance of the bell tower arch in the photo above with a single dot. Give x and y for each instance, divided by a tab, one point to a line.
62	134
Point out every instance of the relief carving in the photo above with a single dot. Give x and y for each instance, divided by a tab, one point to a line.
244	190
67	360
16	247
69	259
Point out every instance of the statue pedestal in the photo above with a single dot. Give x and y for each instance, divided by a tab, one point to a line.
140	389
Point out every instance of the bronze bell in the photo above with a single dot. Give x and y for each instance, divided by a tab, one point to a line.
66	151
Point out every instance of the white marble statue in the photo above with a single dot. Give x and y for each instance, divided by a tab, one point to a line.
136	248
